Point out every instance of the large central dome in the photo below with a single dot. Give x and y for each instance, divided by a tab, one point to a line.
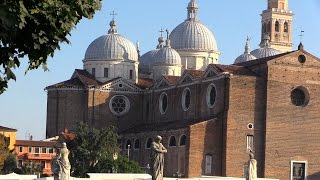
191	34
112	46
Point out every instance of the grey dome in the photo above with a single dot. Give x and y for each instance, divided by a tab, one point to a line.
265	50
191	34
111	47
167	56
246	56
147	60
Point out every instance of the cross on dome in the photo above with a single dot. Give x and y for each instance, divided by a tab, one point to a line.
113	29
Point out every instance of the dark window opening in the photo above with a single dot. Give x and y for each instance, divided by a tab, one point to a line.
137	144
298	97
94	72
183	140
128	144
131	74
277	26
106	72
213	95
286	27
298	171
148	145
172	141
187	100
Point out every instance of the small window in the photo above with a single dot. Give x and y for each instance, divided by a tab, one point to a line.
36	150
131	74
163	103
183	140
43	150
250	145
20	149
300	96
298	170
128	144
137	144
172	141
208	165
94	72
186	96
286	27
51	150
106	72
277	26
211	95
29	149
148	144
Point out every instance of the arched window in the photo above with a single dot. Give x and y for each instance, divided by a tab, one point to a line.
148	144
172	141
128	144
137	144
186	96
211	95
183	140
269	27
286	27
277	26
163	103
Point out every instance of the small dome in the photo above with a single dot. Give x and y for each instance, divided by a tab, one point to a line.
147	60
246	56
167	55
265	50
191	34
112	46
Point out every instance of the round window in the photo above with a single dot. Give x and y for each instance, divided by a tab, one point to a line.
163	103
211	95
119	105
186	99
300	96
302	59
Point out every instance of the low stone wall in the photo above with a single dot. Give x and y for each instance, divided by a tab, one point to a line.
18	177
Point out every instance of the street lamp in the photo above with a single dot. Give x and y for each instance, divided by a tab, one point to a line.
128	152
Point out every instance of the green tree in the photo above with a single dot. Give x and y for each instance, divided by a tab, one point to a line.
10	164
93	151
4	150
34	29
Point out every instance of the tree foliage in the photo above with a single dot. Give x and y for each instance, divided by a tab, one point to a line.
34	29
10	164
4	149
94	150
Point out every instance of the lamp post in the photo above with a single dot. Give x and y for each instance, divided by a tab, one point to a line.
128	152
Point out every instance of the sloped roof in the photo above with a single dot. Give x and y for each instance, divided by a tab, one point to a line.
37	143
195	73
74	82
2	128
172	79
144	83
234	69
159	126
87	78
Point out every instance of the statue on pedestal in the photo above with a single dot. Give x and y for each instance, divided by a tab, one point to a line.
157	158
60	165
252	167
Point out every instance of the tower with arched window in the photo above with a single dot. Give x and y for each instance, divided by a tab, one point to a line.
277	23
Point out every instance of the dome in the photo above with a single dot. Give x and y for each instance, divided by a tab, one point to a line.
191	34
246	56
147	60
112	46
265	50
167	55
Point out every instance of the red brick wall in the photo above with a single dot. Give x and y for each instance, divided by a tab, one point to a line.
292	133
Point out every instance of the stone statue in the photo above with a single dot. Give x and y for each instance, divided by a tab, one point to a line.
252	167
61	165
157	158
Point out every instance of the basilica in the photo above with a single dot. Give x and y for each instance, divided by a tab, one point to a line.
209	115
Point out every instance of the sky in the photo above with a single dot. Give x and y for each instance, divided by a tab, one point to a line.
23	106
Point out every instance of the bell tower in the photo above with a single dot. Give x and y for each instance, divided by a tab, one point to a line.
277	23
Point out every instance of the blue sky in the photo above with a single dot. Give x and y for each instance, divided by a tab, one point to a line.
23	105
